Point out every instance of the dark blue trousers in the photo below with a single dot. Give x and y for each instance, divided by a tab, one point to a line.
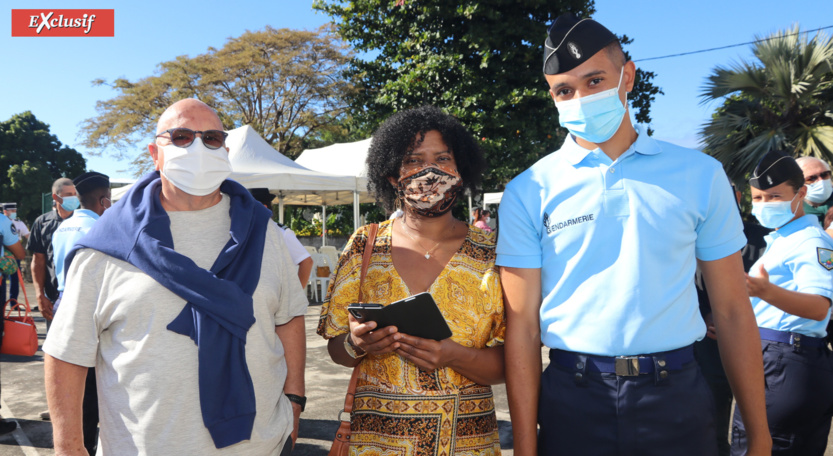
799	400
708	357
584	413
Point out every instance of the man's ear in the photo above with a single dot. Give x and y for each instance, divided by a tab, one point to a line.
630	75
153	149
55	198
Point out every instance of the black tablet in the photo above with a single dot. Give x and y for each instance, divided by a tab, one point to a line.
417	315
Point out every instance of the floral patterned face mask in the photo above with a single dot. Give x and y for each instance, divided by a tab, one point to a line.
431	189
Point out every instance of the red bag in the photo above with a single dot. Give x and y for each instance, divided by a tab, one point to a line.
20	336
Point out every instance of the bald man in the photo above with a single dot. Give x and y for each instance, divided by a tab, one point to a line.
819	188
197	348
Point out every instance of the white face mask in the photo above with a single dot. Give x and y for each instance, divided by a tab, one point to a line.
819	191
488	219
196	170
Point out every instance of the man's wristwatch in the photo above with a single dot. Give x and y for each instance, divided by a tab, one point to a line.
300	400
351	350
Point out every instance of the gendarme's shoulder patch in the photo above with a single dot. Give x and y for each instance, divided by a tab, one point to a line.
14	230
825	258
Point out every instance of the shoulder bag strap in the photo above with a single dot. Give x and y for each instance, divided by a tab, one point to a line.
368	250
341	442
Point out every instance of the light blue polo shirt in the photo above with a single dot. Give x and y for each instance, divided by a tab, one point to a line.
798	257
65	237
617	243
8	234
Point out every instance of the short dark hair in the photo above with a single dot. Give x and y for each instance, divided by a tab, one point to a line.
796	181
615	53
401	133
90	199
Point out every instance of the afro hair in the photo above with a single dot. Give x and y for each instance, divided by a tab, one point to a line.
404	131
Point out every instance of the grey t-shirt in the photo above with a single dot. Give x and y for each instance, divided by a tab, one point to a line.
114	317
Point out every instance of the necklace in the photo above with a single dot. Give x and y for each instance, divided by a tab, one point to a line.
427	252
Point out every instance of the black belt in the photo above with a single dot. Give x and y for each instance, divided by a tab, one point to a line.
625	366
791	338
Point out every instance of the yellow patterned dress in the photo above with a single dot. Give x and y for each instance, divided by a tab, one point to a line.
399	408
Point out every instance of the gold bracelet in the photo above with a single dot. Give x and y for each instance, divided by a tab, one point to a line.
351	351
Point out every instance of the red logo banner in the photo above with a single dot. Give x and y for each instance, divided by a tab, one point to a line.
63	22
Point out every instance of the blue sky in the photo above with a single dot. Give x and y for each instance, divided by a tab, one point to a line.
51	76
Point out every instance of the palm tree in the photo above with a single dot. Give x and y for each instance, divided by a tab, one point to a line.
783	100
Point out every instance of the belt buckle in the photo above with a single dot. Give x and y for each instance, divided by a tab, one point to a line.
795	339
627	366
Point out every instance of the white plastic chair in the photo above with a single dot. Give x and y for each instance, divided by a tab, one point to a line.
311	249
332	254
319	260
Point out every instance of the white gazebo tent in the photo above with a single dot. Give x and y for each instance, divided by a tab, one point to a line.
492	198
344	158
258	164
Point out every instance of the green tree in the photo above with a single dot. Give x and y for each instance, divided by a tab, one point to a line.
31	158
287	84
783	99
480	61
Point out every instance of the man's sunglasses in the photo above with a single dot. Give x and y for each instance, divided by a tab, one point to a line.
184	137
823	176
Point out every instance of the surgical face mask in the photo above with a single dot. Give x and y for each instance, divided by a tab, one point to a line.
430	190
13	215
774	215
819	191
70	203
196	170
594	118
488	219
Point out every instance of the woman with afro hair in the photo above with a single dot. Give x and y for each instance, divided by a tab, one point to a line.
414	395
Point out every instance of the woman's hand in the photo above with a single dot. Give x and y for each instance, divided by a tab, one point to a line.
427	354
366	338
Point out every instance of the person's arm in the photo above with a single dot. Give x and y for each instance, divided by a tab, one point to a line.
804	305
481	365
22	230
522	295
304	269
39	278
739	344
293	338
17	250
64	395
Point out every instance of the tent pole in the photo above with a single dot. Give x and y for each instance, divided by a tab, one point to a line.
280	209
356	212
470	210
323	225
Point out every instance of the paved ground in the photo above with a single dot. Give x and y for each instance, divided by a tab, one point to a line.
23	399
